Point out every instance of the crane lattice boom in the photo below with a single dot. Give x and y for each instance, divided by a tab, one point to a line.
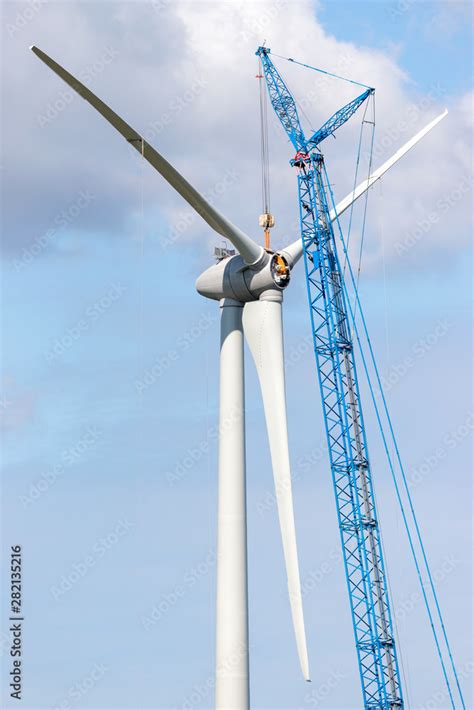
345	430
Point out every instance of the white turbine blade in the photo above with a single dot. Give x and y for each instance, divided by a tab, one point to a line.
250	251
377	174
262	321
295	250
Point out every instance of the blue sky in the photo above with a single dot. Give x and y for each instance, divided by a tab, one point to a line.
413	30
98	271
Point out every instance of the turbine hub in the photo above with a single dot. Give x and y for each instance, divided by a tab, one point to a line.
280	270
233	278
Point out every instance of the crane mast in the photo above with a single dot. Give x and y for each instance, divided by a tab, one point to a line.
343	417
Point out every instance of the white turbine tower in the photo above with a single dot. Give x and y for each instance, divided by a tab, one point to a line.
249	287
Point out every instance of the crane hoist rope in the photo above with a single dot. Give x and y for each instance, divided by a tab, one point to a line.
266	219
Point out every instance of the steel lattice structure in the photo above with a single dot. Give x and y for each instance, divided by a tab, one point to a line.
337	373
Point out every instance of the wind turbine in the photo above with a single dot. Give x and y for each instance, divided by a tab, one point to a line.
249	287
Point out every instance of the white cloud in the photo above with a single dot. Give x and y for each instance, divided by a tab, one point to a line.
185	73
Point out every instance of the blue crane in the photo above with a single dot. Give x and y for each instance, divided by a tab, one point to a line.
343	415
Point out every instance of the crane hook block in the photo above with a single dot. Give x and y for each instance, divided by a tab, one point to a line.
266	221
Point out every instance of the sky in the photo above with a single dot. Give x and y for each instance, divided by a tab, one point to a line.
109	387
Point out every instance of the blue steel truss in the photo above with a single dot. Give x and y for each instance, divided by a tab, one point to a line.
339	118
282	101
344	422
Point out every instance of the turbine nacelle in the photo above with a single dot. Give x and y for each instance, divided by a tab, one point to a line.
233	278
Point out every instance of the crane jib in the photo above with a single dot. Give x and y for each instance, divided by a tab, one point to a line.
285	108
338	119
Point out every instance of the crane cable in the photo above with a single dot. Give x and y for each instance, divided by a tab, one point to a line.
322	71
141	260
266	219
264	155
369	121
405	671
391	435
